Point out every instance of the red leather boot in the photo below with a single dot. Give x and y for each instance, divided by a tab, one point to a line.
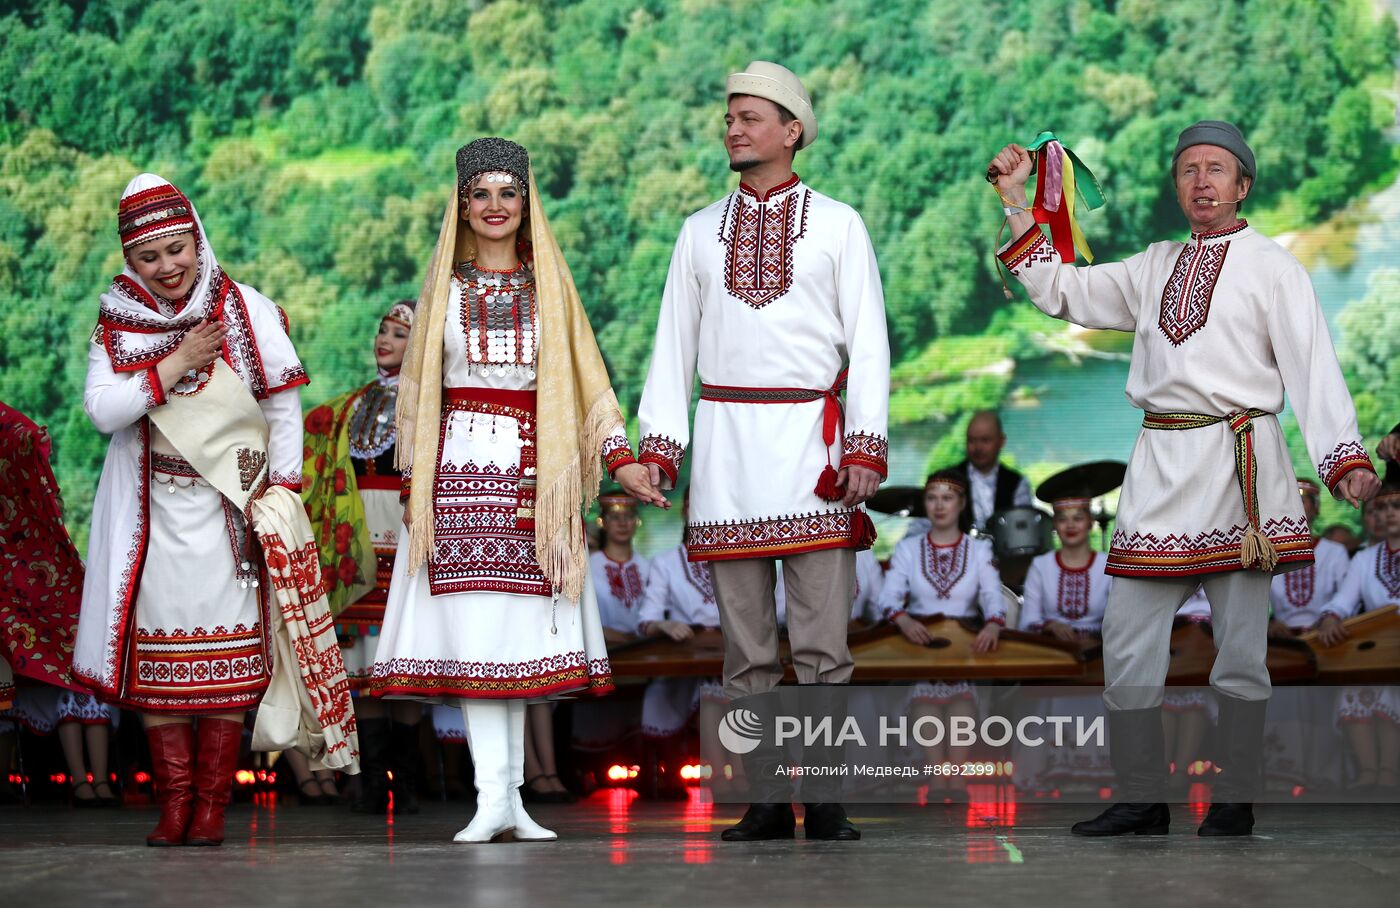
219	743
172	764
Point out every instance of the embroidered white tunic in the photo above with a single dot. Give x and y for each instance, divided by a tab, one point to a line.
1074	596
1372	581
1223	323
620	588
479	620
1299	597
768	295
954	580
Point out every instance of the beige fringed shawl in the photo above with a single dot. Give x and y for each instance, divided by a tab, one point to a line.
576	408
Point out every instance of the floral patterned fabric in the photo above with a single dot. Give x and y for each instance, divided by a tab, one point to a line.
41	575
333	503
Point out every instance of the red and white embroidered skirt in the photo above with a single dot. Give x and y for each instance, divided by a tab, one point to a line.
479	621
199	641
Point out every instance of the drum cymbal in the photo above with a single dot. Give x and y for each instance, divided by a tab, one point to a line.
897	499
1086	480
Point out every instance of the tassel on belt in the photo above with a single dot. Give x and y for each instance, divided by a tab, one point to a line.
831	415
1256	550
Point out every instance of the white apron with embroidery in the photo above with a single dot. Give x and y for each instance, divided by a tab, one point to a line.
1223	323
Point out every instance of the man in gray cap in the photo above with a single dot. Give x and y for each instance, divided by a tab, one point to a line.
774	297
1222	325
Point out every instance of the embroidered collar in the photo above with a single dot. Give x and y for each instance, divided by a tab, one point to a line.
773	193
1093	556
1216	235
388	377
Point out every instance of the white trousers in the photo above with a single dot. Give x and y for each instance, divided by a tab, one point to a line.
1137	629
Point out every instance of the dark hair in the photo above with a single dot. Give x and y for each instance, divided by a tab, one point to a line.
959	478
785	117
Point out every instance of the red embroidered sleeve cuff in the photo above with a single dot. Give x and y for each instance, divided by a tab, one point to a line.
617	453
997	619
286	480
665	452
870	451
292	377
1027	249
893	614
155	394
1345	457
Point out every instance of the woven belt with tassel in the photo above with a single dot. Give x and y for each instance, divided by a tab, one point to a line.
831	416
1256	550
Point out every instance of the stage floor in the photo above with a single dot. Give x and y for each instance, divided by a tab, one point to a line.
615	850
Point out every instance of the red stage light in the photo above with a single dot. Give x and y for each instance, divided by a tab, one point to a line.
142	777
58	778
244	777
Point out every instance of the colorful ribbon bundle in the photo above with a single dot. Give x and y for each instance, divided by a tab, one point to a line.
1062	185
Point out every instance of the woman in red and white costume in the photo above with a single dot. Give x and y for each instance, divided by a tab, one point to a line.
1065	596
173	621
943	572
507	419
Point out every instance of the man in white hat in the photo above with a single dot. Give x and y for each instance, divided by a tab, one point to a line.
774	296
1222	325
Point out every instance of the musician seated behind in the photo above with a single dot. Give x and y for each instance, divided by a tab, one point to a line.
992	485
943	571
1067	590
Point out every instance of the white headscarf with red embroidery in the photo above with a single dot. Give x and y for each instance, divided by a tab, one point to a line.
141	327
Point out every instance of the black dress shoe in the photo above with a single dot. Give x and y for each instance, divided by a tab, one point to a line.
829	823
1228	819
762	822
1125	817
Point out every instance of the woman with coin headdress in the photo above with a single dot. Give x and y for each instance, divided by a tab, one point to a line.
351	490
507	418
194	377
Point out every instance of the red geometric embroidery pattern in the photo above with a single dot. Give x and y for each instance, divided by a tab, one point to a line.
665	452
1345	457
860	449
759	239
697	574
479	542
1388	569
1147	555
1030	249
1299	586
1187	295
617	452
531	678
771	537
625	583
1072	600
187	669
944	565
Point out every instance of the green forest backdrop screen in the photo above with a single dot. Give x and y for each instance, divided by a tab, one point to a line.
317	140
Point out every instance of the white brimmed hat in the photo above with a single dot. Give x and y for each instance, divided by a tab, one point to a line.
777	84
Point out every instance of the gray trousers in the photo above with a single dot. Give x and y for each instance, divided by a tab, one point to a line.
1137	629
819	588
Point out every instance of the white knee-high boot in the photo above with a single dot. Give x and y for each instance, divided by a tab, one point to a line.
526	829
488	736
